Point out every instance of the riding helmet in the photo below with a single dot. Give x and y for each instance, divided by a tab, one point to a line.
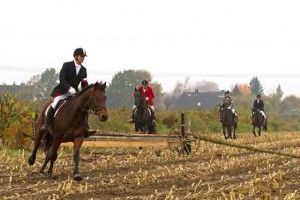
258	95
79	51
144	82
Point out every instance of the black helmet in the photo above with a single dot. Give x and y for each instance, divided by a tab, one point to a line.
258	95
226	92
144	82
79	51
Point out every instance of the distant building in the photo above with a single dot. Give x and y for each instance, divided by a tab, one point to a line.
199	100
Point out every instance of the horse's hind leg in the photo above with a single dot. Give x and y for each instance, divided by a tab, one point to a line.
259	130
51	156
37	143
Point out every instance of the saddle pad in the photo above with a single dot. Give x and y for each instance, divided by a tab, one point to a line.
58	107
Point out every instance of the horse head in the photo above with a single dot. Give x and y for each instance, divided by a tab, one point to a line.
139	99
93	98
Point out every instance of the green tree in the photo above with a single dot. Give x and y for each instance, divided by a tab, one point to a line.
120	91
256	87
43	84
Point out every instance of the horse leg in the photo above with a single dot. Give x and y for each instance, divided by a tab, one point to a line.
37	143
77	144
51	156
229	129
259	130
224	133
254	130
234	127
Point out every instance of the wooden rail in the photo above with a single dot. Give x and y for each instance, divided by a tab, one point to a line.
117	139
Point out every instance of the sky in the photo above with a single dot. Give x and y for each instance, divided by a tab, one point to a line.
224	41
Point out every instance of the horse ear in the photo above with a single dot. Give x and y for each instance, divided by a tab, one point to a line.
96	84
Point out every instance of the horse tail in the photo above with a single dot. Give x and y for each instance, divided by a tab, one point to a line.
47	142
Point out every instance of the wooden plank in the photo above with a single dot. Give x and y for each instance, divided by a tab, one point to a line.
119	143
134	134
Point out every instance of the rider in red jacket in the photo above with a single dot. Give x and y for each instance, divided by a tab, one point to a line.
149	95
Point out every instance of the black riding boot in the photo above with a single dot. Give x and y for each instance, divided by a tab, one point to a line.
154	122
132	117
49	119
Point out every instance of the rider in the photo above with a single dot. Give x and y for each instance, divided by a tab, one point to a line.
258	104
226	103
71	75
148	93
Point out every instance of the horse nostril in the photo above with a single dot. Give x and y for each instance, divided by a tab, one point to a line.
104	117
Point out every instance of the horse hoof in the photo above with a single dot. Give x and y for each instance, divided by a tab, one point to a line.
31	160
77	177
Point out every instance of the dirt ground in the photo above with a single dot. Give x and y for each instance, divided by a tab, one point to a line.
213	172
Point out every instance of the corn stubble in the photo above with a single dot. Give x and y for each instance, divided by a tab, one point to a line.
213	172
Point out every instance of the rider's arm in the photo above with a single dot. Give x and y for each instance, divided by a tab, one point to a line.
151	93
63	77
84	81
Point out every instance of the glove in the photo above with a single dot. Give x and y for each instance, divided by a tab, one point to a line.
147	98
72	90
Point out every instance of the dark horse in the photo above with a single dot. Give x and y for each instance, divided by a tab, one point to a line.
258	121
228	122
69	125
143	114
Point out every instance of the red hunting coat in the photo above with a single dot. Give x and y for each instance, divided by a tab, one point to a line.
148	93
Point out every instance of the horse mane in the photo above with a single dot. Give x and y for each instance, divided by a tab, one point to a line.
100	85
85	89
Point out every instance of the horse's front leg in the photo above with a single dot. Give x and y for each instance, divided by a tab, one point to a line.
259	130
77	144
229	129
234	132
253	130
224	132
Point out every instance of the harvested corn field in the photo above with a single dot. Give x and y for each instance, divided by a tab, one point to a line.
214	172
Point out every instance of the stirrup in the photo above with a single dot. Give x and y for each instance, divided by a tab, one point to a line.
154	122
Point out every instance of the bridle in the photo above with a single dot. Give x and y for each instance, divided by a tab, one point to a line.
92	109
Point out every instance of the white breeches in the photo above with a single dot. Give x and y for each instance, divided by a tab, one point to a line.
233	111
263	114
58	98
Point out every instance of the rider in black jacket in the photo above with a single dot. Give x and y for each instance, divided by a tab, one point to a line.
258	104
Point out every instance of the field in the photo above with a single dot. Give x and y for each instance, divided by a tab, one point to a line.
214	172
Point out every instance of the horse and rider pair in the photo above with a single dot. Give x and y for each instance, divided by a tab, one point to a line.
70	123
229	117
143	114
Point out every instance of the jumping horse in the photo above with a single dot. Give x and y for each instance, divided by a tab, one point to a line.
69	125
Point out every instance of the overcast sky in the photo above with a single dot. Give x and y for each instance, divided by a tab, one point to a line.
223	41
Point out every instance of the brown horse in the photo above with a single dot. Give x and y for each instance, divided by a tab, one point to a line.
69	125
258	121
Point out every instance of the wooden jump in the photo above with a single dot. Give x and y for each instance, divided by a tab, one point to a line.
117	139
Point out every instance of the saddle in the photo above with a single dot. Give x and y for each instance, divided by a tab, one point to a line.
59	105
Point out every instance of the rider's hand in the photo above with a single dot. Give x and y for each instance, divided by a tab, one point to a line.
72	90
147	98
